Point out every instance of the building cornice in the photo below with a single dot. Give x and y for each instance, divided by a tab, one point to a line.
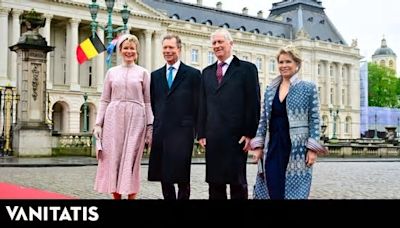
159	16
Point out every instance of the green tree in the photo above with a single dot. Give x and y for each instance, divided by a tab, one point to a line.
398	92
383	86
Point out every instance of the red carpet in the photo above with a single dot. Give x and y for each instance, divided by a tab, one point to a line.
10	191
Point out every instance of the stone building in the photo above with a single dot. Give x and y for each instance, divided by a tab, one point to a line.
385	56
328	59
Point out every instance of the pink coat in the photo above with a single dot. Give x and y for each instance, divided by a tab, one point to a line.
124	114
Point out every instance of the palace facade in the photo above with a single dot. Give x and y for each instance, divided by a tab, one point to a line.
328	59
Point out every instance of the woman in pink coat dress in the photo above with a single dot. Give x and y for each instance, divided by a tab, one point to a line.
123	124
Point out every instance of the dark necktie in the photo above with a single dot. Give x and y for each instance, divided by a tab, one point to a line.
219	71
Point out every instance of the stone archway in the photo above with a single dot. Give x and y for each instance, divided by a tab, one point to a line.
60	117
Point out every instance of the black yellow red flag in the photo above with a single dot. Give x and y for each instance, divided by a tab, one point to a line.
89	48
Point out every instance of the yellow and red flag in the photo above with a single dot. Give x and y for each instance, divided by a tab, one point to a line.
89	48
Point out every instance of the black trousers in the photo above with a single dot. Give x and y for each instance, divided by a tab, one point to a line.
169	193
218	191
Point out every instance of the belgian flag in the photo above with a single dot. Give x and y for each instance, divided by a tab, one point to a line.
89	48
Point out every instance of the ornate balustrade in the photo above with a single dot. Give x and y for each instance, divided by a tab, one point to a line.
79	144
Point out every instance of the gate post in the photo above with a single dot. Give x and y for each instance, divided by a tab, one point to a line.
32	136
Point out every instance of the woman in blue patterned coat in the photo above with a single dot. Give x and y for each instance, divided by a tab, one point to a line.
288	131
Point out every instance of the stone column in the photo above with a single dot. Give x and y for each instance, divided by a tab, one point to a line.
349	82
183	52
204	60
327	84
100	64
141	49
16	33
147	53
47	36
31	125
158	56
4	46
73	63
339	80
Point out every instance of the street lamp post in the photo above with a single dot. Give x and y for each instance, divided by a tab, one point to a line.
335	115
398	127
85	116
376	130
323	138
94	8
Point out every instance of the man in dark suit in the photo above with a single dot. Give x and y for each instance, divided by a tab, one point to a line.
174	99
229	111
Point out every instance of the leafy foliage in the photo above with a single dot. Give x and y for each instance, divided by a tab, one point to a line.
383	87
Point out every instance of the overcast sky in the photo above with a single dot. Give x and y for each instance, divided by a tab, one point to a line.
366	20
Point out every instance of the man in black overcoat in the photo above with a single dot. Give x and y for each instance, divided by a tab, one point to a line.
229	110
174	100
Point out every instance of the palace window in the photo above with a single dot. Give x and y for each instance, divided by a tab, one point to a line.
90	76
65	73
210	58
192	20
391	63
259	64
272	66
319	69
343	71
348	125
195	56
319	93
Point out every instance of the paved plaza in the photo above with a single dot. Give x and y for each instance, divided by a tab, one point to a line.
332	180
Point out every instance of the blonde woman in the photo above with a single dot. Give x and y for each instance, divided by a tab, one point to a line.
288	132
123	124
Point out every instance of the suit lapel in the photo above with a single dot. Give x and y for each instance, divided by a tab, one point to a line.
213	81
163	79
178	78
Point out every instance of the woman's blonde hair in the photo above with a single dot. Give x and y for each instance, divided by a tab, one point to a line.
292	52
129	38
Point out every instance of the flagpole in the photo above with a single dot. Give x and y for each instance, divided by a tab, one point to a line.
125	13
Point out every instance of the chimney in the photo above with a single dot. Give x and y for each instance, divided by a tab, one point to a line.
260	14
199	2
245	11
219	5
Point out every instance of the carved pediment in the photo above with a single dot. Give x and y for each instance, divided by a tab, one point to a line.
135	6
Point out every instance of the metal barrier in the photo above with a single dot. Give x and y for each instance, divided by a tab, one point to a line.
8	106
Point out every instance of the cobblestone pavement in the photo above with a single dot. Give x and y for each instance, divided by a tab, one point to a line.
332	180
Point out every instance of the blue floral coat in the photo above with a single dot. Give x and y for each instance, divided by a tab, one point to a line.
302	106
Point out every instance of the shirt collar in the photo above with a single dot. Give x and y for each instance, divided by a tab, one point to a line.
293	80
227	61
175	65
